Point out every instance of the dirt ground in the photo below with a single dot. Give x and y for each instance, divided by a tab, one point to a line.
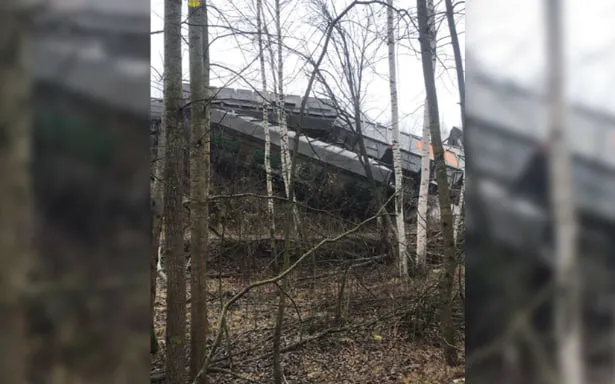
383	335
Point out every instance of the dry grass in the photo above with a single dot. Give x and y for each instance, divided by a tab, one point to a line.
386	335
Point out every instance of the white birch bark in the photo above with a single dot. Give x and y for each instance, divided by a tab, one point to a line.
568	323
399	196
284	147
284	144
421	230
458	209
265	106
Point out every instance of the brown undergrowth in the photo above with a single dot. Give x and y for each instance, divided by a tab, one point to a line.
376	332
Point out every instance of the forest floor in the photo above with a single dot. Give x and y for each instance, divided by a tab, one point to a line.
384	334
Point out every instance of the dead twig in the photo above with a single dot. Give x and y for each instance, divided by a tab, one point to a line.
272	280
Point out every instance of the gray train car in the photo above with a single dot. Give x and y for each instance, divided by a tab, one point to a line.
89	49
329	140
251	128
507	131
509	236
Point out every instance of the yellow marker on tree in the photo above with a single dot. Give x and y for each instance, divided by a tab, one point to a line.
194	3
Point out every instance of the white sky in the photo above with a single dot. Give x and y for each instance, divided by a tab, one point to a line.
225	52
507	38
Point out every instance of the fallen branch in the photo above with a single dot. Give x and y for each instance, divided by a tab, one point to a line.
272	280
320	335
232	373
161	376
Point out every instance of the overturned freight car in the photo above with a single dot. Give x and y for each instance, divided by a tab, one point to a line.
326	145
509	260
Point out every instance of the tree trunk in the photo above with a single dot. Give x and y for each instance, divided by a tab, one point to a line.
422	222
402	247
157	204
284	145
286	165
568	323
461	85
199	182
173	193
458	210
450	262
261	55
156	227
16	230
284	142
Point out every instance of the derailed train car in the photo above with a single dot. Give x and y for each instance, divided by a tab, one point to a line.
325	141
509	260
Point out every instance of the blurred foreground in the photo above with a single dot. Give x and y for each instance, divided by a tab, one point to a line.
511	260
75	173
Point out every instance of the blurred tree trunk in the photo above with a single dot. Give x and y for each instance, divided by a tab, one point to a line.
173	194
422	222
450	262
568	323
16	251
402	245
199	185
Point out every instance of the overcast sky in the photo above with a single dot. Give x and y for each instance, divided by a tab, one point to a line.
225	52
508	39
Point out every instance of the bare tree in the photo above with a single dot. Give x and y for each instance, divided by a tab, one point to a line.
156	196
157	204
277	62
450	17
284	145
199	182
15	194
421	230
458	210
402	246
261	55
173	194
278	373
450	261
568	326
355	50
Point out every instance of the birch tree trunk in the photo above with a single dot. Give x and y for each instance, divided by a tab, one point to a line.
421	230
16	228
568	325
270	208
157	199
284	142
173	193
458	210
399	195
450	261
199	180
293	217
284	145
